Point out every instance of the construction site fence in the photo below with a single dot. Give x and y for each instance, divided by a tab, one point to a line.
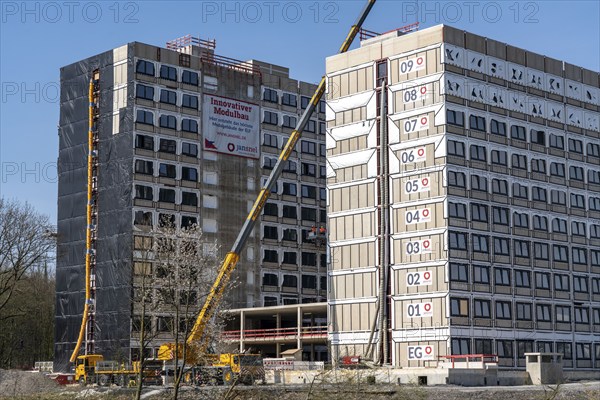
44	366
293	365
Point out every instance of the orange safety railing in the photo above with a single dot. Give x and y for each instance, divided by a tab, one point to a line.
474	358
276	333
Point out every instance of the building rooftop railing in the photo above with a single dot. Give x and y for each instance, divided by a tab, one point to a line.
189	40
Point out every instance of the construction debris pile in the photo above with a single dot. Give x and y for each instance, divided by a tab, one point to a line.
15	383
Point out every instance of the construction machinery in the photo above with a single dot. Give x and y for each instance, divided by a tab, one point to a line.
93	369
228	366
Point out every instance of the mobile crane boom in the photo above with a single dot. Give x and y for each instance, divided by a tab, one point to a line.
233	256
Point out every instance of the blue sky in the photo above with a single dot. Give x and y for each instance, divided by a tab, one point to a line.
37	38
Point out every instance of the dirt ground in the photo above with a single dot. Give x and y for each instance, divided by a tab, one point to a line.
23	385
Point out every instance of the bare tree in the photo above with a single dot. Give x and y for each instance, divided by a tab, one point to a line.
25	239
186	267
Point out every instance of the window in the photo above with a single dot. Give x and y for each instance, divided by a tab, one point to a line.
189	125
483	346
458	240
322	128
497	128
596	312
189	149
538	165
519	161
579	256
461	346
270	232
456	179
457	210
144	92
542	280
505	348
168	97
561	282
189	174
540	223
304	101
481	274
290	281
501	246
521	248
560	253
270	140
322	150
289	121
538	194
166	195
523	311
290	235
308	147
593	176
323	282
566	349
270	118
459	307
381	72
270	256
144	142
322	106
478	153
309	192
189	199
167	121
538	137
269	162
289	166
289	99
479	213
479	183
144	117
593	150
308	214
142	218
166	220
477	123
290	257
522	278
271	209
144	67
520	191
499	157
578	228
594	231
596	285
540	251
594	203
524	346
270	279
168	146
189	101
144	167
558	197
167	72
459	272
481	308
322	194
500	186
270	95
189	77
559	225
500	215
557	142
270	301
309	169
563	314
456	118
290	212
143	192
502	276
521	220
517	132
543	313
456	148
544	347
576	146
583	351
557	169
289	189
580	284
503	310
308	281
576	173
480	244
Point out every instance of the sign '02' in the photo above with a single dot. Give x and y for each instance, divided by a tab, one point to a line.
416	124
421	278
412	65
419	310
419	353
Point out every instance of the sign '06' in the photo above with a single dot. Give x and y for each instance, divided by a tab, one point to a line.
413	155
420	353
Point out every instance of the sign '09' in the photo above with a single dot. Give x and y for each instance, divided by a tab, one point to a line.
412	65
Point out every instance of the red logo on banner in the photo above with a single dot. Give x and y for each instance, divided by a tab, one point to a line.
423	120
421	152
425	181
428	349
427	275
426	213
420	60
426	244
423	90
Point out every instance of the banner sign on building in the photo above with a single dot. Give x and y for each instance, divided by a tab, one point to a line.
231	126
